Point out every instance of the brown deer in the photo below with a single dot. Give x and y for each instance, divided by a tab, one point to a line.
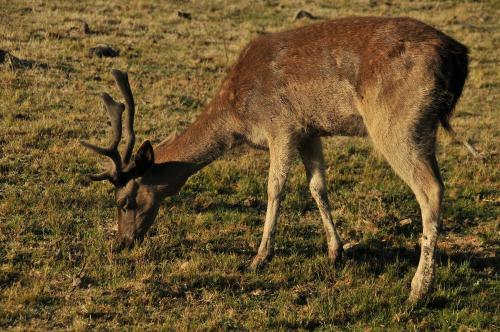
394	79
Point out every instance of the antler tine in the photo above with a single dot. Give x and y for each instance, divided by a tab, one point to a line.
121	79
115	111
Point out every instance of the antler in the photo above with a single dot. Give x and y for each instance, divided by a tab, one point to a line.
115	110
121	79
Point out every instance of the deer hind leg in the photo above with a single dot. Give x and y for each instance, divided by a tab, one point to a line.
311	153
415	162
429	193
281	155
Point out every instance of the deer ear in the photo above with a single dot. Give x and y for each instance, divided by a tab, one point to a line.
144	158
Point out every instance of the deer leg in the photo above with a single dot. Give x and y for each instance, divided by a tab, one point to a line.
429	194
417	166
311	153
281	155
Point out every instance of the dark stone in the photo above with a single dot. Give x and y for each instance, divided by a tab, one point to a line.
305	14
184	15
103	51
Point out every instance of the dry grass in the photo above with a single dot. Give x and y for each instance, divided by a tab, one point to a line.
58	269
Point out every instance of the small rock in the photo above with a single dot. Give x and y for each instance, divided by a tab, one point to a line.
257	292
250	201
184	15
405	222
13	62
103	51
350	246
305	14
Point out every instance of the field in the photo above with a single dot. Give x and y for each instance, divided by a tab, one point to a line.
59	267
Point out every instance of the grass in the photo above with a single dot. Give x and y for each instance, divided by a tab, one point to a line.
58	266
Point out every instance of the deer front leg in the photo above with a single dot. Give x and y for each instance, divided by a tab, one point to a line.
281	153
311	153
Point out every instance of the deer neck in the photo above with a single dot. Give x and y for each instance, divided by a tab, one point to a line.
202	142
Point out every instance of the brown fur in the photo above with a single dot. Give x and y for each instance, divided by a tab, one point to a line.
394	79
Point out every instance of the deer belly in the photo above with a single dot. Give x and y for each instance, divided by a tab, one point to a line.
256	137
350	125
327	107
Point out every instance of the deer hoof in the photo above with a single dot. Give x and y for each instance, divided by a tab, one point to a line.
420	287
335	255
422	281
258	262
416	295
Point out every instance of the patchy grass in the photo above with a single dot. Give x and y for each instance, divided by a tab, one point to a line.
58	266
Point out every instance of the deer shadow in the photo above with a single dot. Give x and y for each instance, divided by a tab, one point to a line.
378	254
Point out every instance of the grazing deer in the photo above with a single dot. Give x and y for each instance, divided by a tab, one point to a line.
394	79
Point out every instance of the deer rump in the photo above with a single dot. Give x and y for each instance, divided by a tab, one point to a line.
333	77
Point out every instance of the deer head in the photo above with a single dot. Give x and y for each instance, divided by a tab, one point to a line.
137	204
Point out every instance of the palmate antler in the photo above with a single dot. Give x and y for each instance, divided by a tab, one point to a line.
115	110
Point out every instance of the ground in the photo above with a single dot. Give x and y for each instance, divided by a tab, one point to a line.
58	265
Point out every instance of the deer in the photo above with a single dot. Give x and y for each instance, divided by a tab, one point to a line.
391	79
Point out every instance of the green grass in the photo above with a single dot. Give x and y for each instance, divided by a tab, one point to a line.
58	265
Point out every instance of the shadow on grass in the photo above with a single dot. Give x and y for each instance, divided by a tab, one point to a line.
237	284
476	262
378	254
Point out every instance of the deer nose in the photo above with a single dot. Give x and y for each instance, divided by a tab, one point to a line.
126	241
